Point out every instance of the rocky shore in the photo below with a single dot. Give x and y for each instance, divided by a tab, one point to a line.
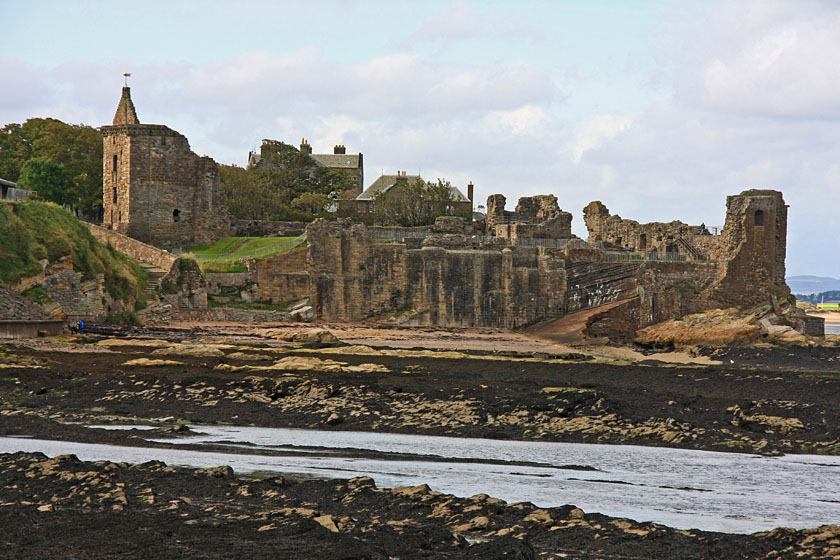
763	399
150	510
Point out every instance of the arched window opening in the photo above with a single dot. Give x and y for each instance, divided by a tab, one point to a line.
759	218
176	215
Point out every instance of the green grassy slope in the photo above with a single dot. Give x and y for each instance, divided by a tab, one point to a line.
31	231
224	254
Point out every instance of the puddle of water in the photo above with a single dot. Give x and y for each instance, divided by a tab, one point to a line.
727	492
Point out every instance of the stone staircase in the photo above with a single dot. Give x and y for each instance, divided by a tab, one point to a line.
155	277
692	250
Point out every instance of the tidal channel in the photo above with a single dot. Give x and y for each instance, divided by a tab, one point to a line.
728	492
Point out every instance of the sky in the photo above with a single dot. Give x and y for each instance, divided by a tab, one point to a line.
659	109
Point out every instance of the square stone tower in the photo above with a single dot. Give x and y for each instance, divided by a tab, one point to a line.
753	249
155	189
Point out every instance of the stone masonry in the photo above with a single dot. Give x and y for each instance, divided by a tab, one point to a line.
155	189
652	239
535	217
461	280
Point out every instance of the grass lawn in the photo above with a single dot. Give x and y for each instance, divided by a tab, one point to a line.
224	254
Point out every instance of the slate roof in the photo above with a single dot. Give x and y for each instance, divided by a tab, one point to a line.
333	161
385	182
342	161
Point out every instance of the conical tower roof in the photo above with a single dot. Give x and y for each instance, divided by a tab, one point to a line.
125	111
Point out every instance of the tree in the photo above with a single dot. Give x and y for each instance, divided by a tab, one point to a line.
45	177
411	202
76	148
311	203
286	185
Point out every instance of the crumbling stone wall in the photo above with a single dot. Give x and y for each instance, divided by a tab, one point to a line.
495	212
535	217
18	308
184	286
462	280
448	281
76	298
654	238
155	189
454	225
749	271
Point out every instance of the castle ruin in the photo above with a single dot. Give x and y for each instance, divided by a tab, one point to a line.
512	274
155	189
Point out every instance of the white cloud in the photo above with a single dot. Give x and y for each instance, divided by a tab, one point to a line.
456	21
592	132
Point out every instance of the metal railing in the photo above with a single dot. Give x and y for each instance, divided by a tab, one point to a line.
397	235
624	256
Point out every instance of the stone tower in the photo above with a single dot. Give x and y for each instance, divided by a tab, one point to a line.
753	247
155	189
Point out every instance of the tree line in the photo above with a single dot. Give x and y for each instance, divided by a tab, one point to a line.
63	164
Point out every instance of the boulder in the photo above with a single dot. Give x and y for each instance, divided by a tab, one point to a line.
304	314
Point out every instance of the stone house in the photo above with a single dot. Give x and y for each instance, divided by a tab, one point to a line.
155	189
351	165
390	183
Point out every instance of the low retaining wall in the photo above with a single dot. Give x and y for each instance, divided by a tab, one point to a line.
231	315
135	249
228	278
29	329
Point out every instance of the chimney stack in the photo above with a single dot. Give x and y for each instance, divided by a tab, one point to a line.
305	148
339	149
470	191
